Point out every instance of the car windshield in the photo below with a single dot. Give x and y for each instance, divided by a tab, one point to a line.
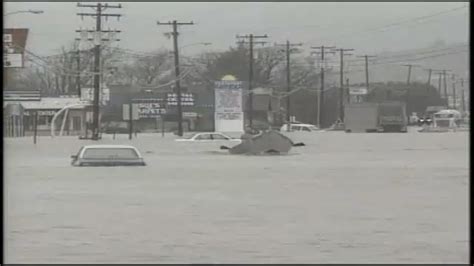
109	153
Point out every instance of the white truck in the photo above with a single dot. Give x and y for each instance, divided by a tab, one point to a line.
361	117
375	117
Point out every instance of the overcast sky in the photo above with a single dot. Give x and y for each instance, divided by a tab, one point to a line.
347	25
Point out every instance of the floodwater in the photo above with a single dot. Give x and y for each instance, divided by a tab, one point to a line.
342	198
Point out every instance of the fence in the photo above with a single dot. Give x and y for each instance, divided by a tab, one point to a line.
13	126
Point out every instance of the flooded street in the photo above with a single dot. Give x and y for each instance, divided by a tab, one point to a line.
342	198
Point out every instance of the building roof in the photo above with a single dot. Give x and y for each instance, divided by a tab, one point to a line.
47	103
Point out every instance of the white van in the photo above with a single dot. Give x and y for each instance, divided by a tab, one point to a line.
300	127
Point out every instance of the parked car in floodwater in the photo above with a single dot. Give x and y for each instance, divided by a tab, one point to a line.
209	137
300	127
107	155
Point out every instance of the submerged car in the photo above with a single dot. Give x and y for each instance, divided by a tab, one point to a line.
300	127
107	155
267	142
209	137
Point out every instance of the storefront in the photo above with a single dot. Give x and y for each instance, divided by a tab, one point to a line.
74	119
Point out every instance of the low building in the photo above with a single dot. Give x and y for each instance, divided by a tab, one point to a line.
24	111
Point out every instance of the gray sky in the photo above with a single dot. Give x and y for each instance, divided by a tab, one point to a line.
343	24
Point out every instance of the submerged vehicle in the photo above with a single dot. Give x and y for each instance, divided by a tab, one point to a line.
300	127
107	155
208	137
267	142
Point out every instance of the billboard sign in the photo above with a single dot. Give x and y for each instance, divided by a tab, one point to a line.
187	99
14	43
126	111
229	116
357	90
87	95
228	97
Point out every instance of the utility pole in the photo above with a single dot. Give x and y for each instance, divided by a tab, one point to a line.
321	90
409	72
453	79
366	57
445	88
288	51
348	98
99	8
78	76
454	95
408	90
251	42
341	81
175	33
439	82
463	103
429	76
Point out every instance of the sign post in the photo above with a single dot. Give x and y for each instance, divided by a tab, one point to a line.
130	114
36	127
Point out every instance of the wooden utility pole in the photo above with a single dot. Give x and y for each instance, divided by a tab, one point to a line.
366	57
453	82
78	75
439	82
99	8
251	42
454	95
321	90
288	51
408	109
348	98
429	76
341	81
35	127
463	103
130	117
409	72
175	33
445	88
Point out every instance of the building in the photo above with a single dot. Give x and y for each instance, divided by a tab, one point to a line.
20	113
153	106
266	111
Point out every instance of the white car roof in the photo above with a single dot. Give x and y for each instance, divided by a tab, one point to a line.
104	146
200	133
306	125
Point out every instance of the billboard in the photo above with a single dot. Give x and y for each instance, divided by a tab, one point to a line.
357	90
14	43
229	116
228	100
187	99
87	95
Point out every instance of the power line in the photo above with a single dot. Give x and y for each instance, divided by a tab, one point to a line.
394	24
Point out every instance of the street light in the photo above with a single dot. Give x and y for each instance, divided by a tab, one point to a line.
36	12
